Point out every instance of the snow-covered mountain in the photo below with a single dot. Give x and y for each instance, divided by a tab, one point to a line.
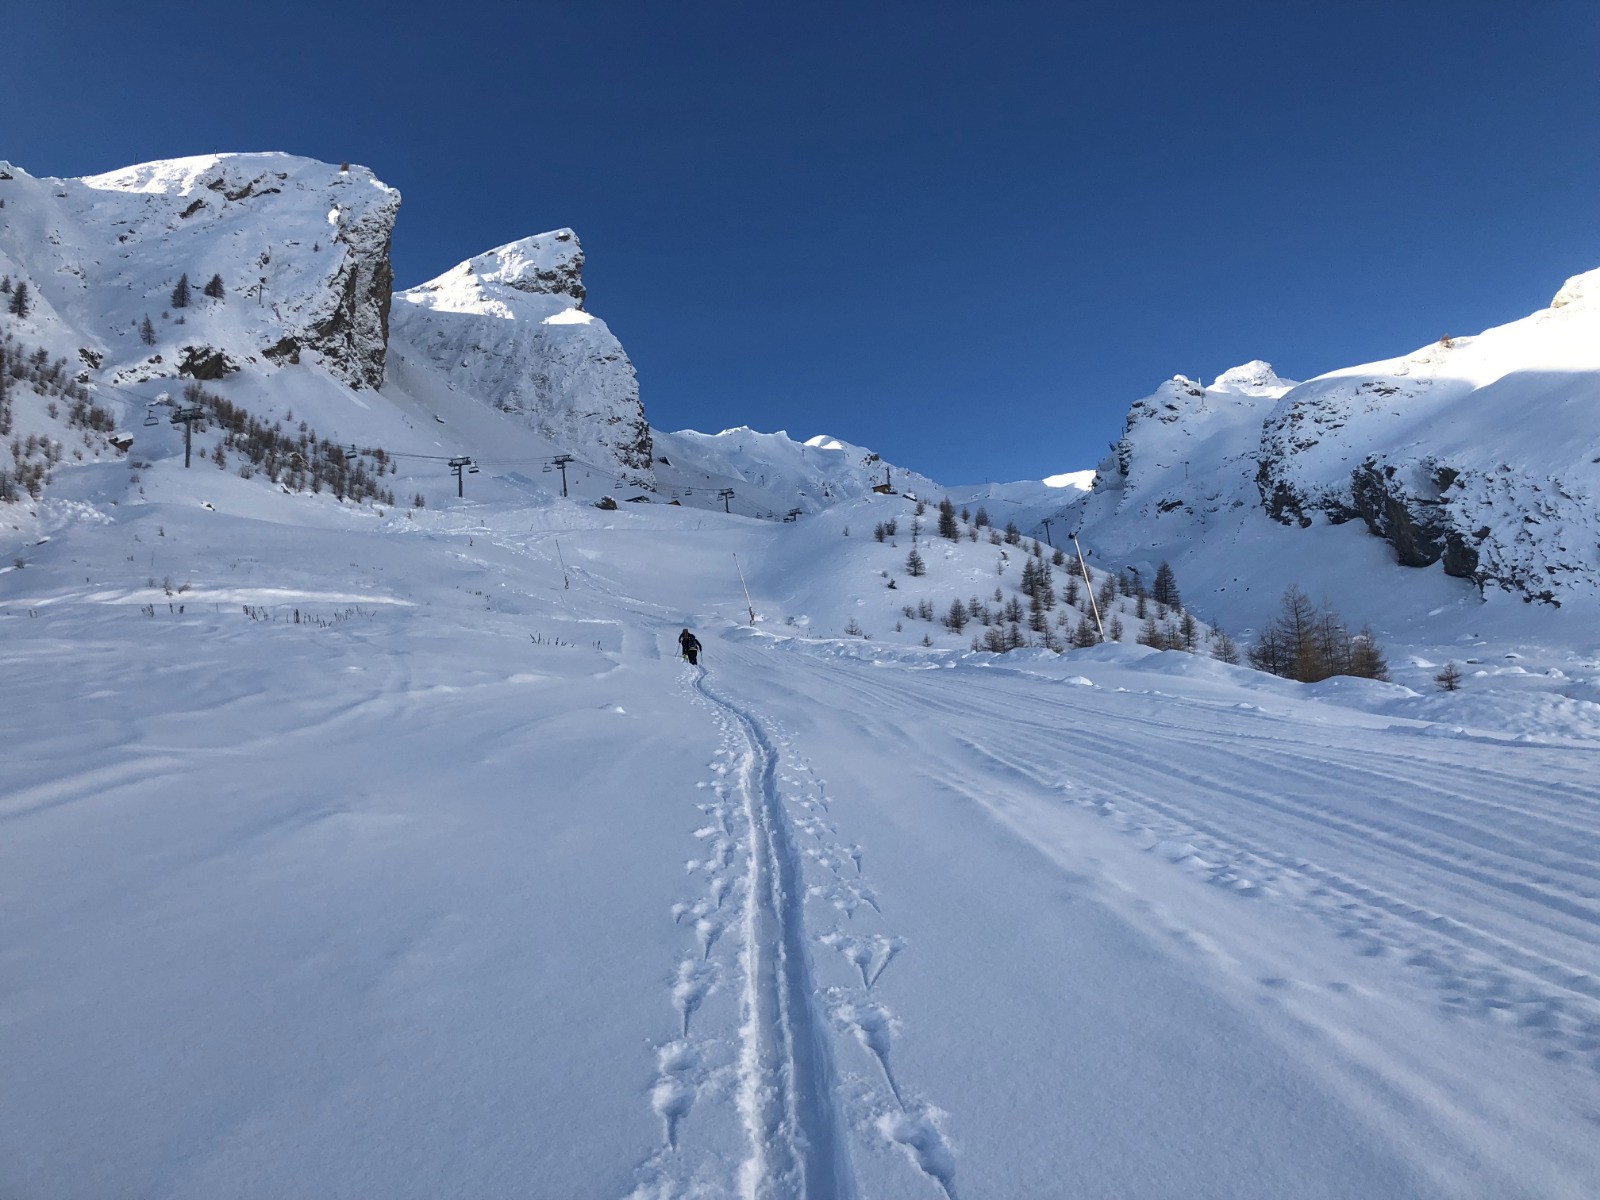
772	474
509	328
285	264
298	250
1473	457
326	826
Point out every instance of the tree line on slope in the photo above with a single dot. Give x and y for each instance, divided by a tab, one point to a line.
32	370
297	461
1303	643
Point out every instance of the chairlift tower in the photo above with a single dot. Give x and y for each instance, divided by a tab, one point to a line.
187	416
725	495
560	462
458	465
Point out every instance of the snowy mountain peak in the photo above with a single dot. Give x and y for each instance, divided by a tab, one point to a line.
1579	291
499	282
235	176
508	327
296	252
1255	376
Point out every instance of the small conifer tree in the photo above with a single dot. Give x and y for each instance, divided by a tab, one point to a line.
214	288
180	293
1223	648
1165	590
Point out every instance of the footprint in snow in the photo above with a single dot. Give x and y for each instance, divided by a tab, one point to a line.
707	931
847	897
918	1135
673	1094
871	955
873	1026
694	984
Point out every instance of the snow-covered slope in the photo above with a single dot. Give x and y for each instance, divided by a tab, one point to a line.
404	842
300	250
509	327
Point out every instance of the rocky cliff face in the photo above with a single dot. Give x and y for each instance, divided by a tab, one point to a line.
299	251
509	327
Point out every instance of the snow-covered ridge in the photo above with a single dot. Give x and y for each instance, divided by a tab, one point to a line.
1475	453
771	473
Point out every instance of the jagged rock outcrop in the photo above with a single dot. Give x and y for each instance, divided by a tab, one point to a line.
509	327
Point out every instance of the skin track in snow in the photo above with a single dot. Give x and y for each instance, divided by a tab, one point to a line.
788	1094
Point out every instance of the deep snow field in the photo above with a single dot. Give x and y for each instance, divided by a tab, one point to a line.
464	884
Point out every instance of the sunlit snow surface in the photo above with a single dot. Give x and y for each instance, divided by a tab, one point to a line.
394	853
442	875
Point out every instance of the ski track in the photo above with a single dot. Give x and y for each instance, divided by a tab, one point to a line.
768	850
1459	831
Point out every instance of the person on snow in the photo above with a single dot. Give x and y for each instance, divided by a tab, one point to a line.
690	646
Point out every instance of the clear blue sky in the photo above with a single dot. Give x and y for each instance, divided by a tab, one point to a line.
967	236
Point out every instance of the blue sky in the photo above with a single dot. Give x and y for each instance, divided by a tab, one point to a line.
967	236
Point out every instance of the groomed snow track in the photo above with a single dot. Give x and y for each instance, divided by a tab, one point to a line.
797	1149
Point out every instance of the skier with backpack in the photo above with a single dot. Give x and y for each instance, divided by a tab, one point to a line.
690	645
